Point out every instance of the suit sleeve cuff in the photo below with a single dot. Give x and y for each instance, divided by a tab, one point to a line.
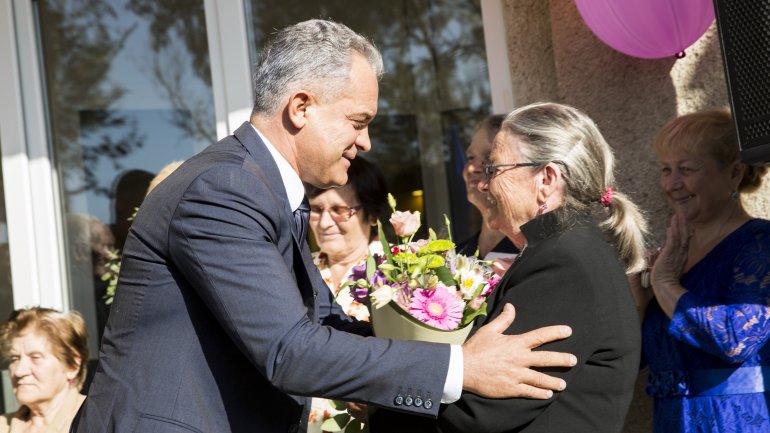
453	387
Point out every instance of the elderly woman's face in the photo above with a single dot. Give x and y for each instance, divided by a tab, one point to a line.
338	222
473	172
512	190
695	185
37	376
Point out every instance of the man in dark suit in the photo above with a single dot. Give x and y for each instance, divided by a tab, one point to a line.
216	325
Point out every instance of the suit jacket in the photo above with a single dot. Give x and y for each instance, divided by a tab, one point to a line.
216	323
565	275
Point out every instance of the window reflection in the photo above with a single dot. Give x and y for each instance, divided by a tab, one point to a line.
128	91
435	88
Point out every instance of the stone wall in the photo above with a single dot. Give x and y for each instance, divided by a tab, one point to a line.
555	56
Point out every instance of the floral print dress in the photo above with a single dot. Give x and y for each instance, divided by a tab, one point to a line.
321	409
710	364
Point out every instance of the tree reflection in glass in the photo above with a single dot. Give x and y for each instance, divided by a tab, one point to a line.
128	90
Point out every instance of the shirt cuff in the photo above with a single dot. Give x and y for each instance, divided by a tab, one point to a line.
453	387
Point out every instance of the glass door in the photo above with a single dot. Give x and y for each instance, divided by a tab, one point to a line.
435	89
128	89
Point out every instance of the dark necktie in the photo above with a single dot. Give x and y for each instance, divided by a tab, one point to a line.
301	217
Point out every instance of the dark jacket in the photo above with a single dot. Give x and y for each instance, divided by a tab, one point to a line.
215	326
565	275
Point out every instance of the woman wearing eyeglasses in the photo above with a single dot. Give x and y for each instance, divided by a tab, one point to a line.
344	223
552	191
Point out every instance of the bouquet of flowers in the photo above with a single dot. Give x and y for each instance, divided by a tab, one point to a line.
424	278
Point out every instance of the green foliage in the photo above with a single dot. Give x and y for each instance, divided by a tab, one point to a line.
336	423
443	274
343	421
437	246
472	314
112	270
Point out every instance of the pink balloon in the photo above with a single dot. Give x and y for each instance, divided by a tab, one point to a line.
650	29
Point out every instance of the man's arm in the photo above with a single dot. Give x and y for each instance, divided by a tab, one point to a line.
224	236
235	247
498	366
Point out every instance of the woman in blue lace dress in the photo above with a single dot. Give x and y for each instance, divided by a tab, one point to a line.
704	333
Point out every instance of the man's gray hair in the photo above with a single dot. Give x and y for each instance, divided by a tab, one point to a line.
315	55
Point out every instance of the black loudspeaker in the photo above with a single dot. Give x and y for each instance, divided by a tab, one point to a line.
744	33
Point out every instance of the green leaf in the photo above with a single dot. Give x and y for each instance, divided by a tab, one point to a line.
448	227
336	423
385	244
445	276
468	317
371	266
356	426
392	202
479	288
386	267
432	234
338	404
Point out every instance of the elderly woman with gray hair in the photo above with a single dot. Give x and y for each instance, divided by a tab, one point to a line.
550	180
552	187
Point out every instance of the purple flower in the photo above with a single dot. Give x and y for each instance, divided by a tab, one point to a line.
358	272
438	308
359	293
378	279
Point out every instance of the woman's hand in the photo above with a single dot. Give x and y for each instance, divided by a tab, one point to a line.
669	264
501	265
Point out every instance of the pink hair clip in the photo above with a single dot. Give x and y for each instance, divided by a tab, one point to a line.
606	198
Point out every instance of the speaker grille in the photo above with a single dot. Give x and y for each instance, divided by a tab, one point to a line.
744	29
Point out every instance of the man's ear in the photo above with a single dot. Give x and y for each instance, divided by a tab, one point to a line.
297	109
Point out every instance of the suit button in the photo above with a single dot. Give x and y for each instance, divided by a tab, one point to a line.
294	428
417	401
399	400
428	404
408	400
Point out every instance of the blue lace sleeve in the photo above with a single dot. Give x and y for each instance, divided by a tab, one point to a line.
734	322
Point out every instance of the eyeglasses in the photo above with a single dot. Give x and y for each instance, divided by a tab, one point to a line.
493	170
338	213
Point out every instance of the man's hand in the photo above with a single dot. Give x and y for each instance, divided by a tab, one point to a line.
359	411
498	366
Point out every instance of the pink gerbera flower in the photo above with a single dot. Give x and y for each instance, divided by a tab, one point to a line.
438	308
